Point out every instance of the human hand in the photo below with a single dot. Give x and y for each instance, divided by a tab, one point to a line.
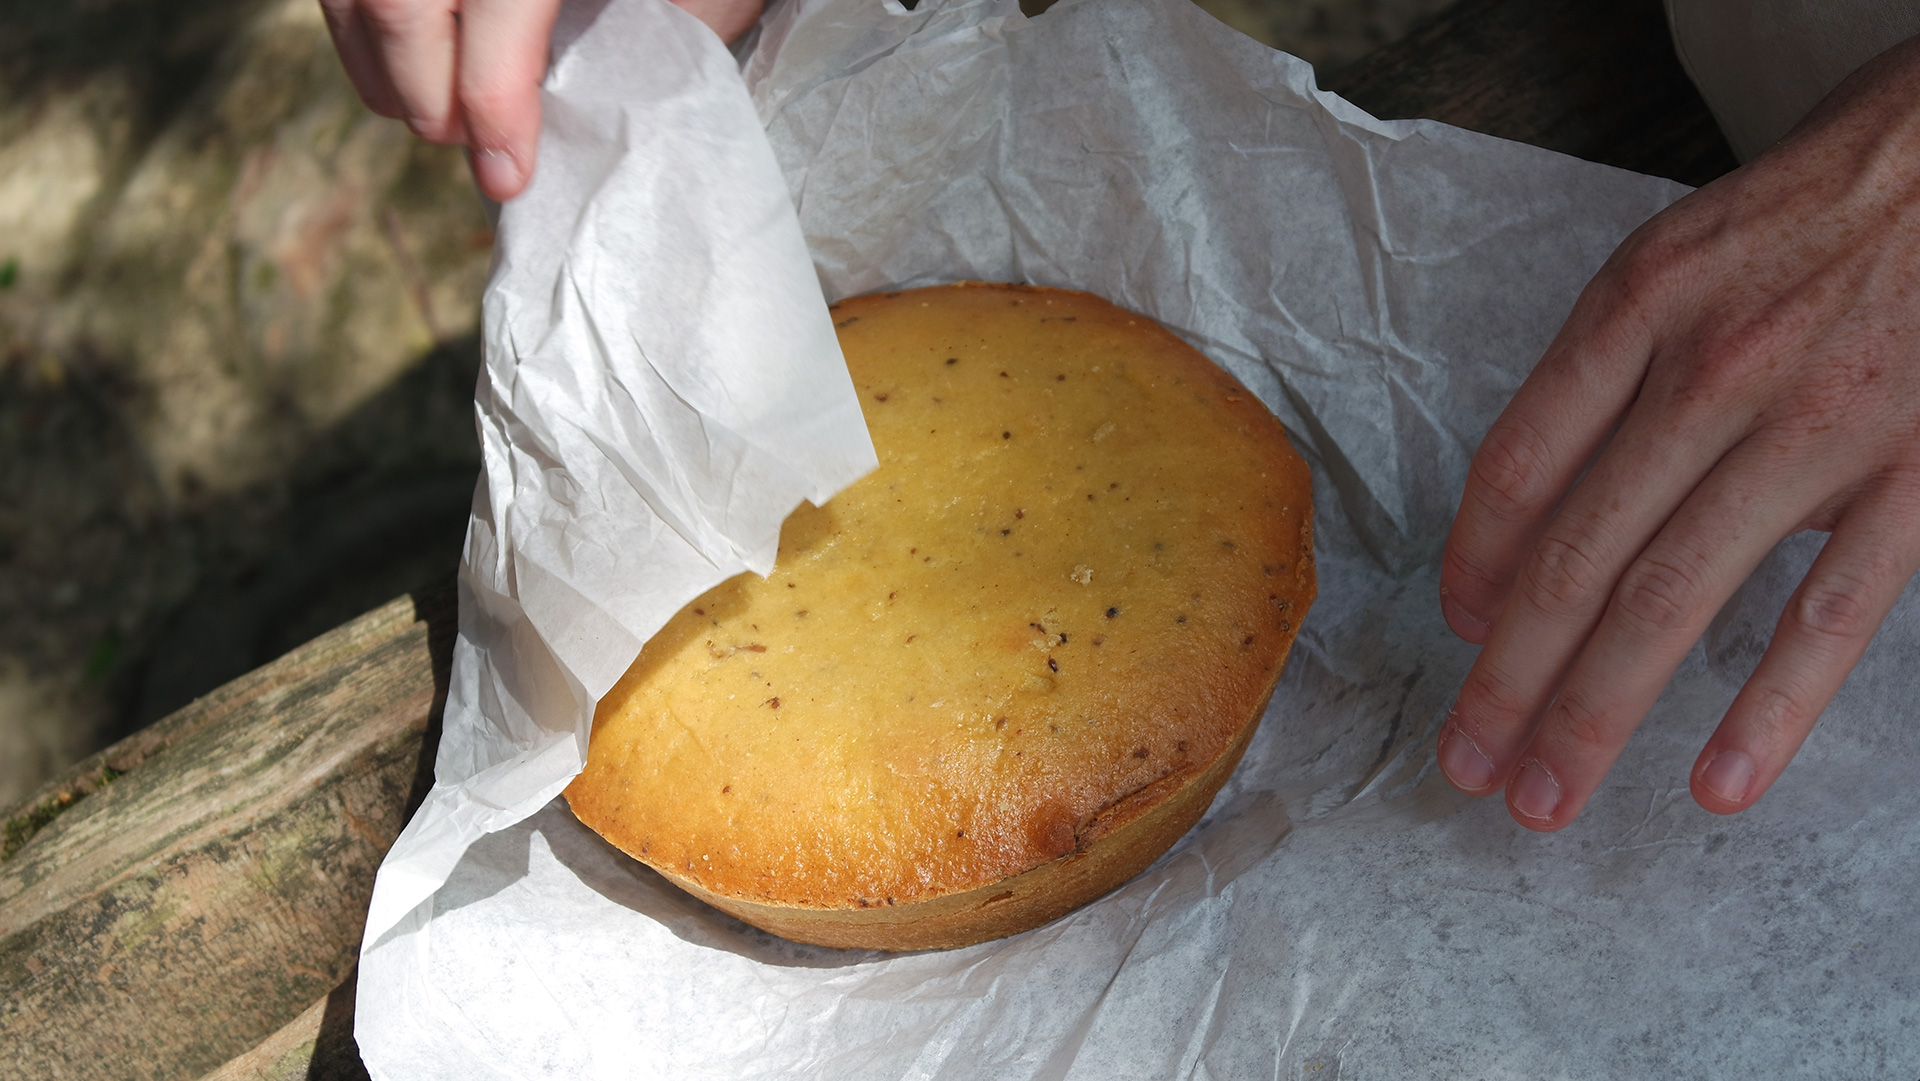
467	72
1745	366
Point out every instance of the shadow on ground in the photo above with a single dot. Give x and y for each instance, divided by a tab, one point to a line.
237	355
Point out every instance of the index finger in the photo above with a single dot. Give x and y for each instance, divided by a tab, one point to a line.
414	41
360	58
1535	450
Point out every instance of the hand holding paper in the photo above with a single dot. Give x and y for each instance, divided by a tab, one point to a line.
1745	367
468	73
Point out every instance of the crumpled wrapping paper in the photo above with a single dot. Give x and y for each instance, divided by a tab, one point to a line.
1383	286
661	387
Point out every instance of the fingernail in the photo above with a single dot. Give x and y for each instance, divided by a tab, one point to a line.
1533	792
1464	623
1464	763
1728	776
497	172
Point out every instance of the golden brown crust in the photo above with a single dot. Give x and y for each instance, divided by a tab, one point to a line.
1018	659
1010	905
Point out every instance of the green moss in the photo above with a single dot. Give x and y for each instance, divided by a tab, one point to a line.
285	860
138	925
21	827
295	1065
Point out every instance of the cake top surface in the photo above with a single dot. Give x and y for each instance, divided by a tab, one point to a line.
1067	588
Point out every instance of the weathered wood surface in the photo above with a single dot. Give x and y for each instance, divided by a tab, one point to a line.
195	901
1599	81
181	913
315	1046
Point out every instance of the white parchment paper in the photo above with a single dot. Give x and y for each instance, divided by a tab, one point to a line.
661	387
1340	912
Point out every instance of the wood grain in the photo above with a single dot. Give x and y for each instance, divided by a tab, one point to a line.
315	1046
178	915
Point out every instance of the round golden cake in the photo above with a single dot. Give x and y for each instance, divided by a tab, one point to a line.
999	675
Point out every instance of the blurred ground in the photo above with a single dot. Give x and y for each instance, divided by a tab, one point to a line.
237	348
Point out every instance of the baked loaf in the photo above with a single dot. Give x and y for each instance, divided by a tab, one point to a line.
998	676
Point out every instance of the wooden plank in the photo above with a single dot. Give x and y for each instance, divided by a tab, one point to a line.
1599	81
315	1046
176	916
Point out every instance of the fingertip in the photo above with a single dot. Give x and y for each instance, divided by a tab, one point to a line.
1535	798
499	173
1463	623
361	59
1723	780
1465	766
440	130
381	101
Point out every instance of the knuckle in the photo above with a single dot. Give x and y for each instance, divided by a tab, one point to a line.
381	102
1901	482
1649	263
1776	714
1574	725
1725	368
1513	468
1563	575
488	102
1833	607
1661	594
1896	488
436	129
1489	702
1466	575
